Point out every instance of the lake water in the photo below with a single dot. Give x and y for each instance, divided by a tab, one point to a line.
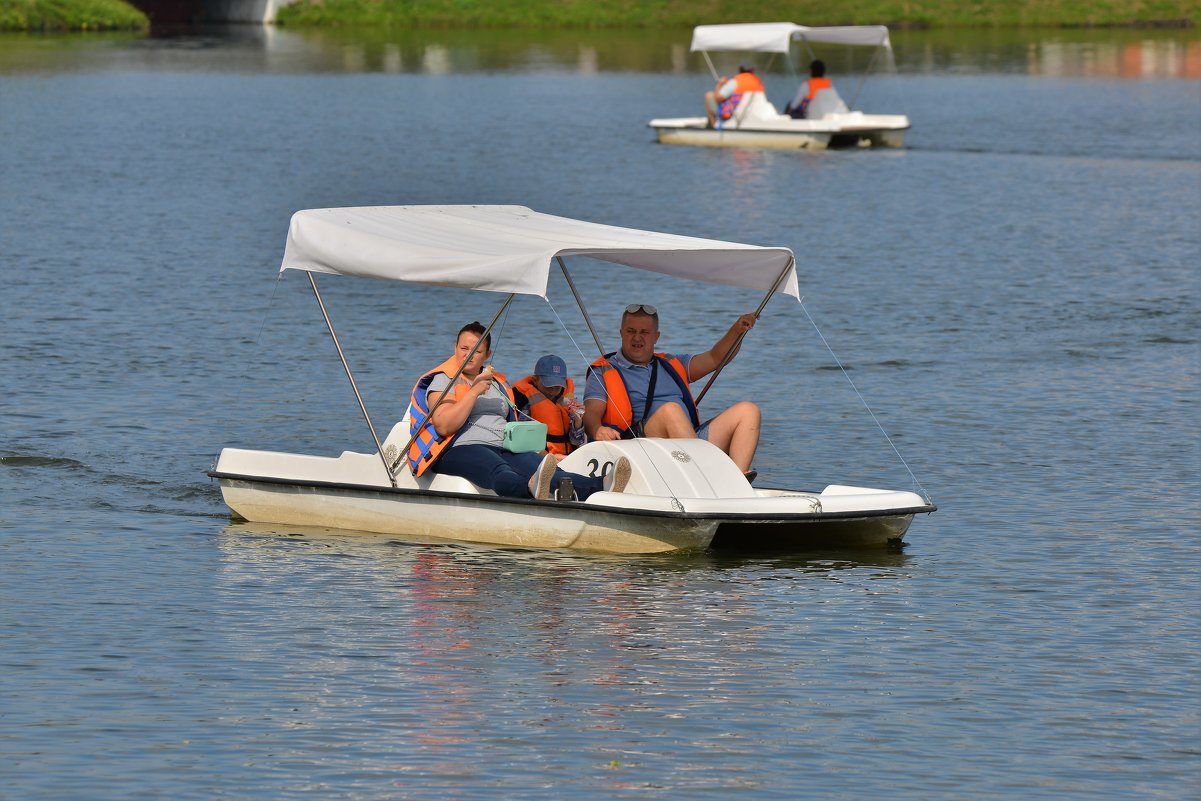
1015	295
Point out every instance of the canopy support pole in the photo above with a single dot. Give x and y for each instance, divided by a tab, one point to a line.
863	78
709	61
403	454
346	366
738	342
580	302
809	50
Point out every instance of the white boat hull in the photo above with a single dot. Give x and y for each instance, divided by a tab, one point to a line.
837	130
480	519
648	518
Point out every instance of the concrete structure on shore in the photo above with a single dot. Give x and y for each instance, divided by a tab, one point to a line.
258	12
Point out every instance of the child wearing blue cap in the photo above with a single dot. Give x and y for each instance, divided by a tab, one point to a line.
548	397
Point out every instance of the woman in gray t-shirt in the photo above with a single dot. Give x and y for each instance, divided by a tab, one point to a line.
473	416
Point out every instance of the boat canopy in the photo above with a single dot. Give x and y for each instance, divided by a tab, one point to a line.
776	37
510	249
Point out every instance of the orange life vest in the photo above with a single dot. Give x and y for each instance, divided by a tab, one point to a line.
743	82
545	410
429	444
816	85
619	414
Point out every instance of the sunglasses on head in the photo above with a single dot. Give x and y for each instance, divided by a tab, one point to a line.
644	308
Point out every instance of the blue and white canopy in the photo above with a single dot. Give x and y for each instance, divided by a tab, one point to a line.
511	249
776	37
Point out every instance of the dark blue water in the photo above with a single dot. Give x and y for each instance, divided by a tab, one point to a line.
1015	296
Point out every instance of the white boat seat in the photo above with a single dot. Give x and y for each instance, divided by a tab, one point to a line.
826	101
753	107
431	480
441	482
396	439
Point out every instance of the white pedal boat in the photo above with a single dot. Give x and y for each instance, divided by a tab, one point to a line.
683	494
757	123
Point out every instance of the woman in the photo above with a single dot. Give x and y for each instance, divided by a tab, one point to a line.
463	437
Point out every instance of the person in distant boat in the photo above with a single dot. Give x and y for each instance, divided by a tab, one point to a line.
807	91
548	397
724	97
637	392
463	437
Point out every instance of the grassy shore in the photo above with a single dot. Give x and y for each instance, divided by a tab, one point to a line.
687	13
83	15
70	15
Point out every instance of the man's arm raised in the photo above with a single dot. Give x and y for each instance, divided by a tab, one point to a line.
704	363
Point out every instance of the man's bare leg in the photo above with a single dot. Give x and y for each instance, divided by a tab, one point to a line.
669	421
736	431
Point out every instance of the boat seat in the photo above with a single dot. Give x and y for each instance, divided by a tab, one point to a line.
826	101
753	107
431	480
396	439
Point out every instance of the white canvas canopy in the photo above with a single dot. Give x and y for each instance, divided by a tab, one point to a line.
776	37
510	249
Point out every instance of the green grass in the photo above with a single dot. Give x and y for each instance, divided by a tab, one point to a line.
686	13
70	15
85	15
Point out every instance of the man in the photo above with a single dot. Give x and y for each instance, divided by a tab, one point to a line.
638	392
548	397
799	107
724	97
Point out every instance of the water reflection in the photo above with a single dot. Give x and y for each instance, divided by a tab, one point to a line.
250	542
1053	54
1142	59
1147	54
447	646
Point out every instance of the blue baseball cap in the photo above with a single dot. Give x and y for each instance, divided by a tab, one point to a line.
551	370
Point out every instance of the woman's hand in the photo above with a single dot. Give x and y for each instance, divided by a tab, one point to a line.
484	380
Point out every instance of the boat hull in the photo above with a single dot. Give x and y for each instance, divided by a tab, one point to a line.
450	516
681	495
769	535
863	131
544	524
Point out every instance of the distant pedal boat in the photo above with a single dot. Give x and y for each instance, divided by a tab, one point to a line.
682	495
756	122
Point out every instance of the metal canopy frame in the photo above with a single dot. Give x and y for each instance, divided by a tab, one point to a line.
804	42
391	467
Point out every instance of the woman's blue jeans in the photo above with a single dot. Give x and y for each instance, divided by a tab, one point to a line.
506	473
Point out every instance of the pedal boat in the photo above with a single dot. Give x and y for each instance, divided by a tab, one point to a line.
682	495
831	123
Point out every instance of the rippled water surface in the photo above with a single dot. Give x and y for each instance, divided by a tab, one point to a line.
1014	295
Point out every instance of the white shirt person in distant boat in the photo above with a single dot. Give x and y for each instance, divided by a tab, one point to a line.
808	91
638	392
